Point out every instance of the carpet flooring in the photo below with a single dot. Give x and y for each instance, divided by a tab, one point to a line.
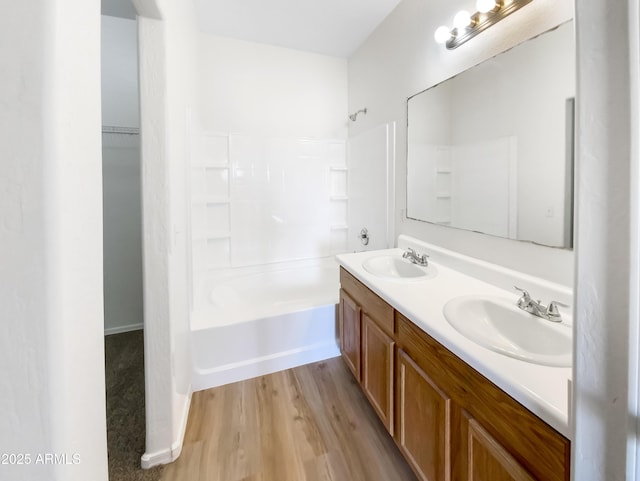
124	373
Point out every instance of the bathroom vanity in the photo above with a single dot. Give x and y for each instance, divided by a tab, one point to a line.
456	410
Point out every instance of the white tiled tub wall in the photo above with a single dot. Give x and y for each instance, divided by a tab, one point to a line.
258	200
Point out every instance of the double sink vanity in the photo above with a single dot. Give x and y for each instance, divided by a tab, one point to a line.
470	376
470	385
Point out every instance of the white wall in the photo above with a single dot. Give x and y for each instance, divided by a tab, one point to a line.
123	307
119	61
121	177
257	89
400	59
607	243
24	391
167	68
181	37
51	351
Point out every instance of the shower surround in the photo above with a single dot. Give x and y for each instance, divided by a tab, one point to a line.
258	200
267	216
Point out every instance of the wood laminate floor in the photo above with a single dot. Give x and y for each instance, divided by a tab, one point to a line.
311	423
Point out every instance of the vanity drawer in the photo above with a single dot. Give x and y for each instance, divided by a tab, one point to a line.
370	303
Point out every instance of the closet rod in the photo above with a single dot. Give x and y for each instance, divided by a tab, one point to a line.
110	129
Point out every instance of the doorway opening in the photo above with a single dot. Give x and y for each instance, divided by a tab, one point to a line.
122	241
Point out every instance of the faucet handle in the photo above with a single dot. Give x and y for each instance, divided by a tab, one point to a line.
525	293
552	308
525	300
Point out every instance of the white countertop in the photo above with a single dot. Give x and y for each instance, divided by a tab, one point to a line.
543	390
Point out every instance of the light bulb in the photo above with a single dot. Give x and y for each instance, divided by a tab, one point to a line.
462	20
484	6
442	34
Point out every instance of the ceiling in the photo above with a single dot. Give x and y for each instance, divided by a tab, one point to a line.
330	27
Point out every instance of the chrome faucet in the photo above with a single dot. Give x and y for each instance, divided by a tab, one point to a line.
415	258
550	312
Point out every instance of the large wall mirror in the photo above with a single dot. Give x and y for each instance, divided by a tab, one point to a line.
491	149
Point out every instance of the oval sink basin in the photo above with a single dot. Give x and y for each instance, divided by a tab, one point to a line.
498	324
397	268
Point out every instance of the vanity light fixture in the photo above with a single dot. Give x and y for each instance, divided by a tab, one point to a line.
466	26
485	6
442	34
462	20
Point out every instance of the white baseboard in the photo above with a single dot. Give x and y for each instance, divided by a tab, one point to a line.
149	460
120	329
169	455
260	366
176	447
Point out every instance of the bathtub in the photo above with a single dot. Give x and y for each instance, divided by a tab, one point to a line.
253	321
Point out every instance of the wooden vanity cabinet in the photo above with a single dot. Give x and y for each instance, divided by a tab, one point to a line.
377	369
450	422
349	316
424	421
487	458
492	436
364	312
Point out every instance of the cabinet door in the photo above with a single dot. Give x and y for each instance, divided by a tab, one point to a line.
424	422
350	333
377	370
487	460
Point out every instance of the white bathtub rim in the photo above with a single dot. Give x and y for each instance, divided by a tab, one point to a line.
204	315
230	273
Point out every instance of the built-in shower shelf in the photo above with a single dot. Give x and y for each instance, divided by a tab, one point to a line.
338	168
339	227
443	171
339	197
443	196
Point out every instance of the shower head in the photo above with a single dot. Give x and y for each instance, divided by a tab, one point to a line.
354	116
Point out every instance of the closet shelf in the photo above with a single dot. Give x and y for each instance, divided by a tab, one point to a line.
210	200
209	166
211	235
